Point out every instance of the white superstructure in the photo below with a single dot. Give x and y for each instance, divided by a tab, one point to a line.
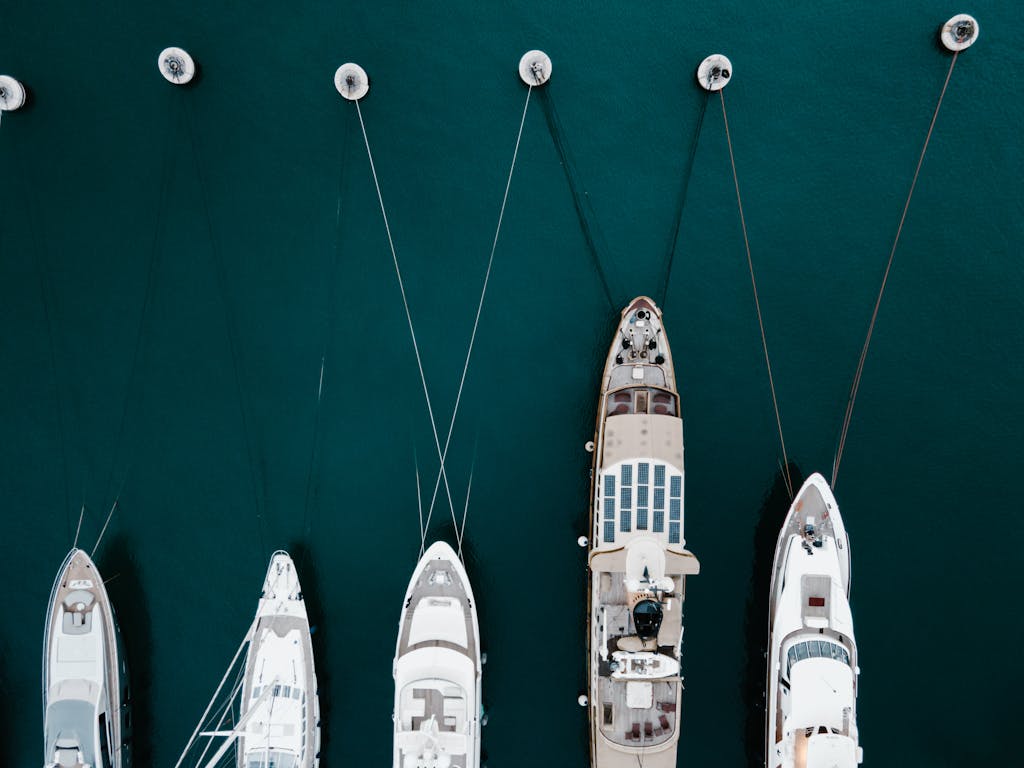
85	685
280	706
812	660
278	722
638	560
437	667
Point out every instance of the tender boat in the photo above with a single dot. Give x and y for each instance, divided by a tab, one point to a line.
278	724
437	667
638	560
86	720
812	662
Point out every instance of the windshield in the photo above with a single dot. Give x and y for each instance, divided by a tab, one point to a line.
816	649
272	759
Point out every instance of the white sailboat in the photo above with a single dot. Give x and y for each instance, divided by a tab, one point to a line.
812	661
86	719
638	560
278	723
437	667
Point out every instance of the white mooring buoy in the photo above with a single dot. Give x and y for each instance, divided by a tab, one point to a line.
582	541
960	32
582	700
176	65
589	446
535	68
714	73
12	94
351	81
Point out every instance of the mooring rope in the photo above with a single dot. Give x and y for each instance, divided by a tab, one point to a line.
687	175
110	514
405	304
855	386
757	300
233	343
460	533
580	197
476	323
312	473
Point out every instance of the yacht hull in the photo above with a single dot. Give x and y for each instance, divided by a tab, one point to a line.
83	659
437	667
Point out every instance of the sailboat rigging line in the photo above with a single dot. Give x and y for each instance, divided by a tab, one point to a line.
408	314
479	309
855	386
580	199
757	300
224	712
233	344
209	706
687	175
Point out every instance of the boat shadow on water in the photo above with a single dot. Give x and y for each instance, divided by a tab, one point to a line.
309	579
774	508
120	571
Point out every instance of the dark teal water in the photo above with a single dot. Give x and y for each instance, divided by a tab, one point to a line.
174	264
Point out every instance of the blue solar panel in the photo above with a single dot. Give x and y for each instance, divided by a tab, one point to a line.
609	509
641	519
626	497
625	520
609	532
642	472
659	521
674	509
659	475
673	533
677	486
609	485
627	474
659	498
641	496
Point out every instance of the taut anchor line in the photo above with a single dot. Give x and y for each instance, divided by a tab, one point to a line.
352	83
957	34
534	70
713	74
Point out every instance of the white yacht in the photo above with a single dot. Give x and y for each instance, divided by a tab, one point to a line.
280	705
278	723
638	560
85	680
812	660
437	667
